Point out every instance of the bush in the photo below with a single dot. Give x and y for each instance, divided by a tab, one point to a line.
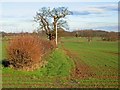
25	52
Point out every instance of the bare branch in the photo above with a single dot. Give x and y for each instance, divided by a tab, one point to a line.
45	15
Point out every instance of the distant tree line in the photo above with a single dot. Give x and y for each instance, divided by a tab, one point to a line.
89	34
104	35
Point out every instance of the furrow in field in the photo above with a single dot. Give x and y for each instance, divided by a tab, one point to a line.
81	69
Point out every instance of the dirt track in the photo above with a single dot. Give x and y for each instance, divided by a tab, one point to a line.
81	69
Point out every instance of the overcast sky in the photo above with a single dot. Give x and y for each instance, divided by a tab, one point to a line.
18	16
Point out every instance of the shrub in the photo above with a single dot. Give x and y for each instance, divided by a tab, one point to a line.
25	52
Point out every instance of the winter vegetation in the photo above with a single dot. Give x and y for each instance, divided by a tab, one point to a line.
82	58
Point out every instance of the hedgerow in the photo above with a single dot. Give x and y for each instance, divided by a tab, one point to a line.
25	52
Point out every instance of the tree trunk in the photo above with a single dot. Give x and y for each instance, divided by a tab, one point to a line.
50	36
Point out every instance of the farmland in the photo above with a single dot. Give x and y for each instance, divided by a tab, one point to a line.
75	63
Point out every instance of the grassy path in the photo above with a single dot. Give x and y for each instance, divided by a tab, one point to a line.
54	74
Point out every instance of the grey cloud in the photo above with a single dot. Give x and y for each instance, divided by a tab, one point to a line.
81	12
112	7
108	28
84	12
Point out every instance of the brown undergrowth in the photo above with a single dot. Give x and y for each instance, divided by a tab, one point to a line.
25	52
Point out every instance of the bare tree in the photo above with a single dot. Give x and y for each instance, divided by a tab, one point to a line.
49	18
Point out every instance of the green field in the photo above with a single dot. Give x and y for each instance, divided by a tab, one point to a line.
75	63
